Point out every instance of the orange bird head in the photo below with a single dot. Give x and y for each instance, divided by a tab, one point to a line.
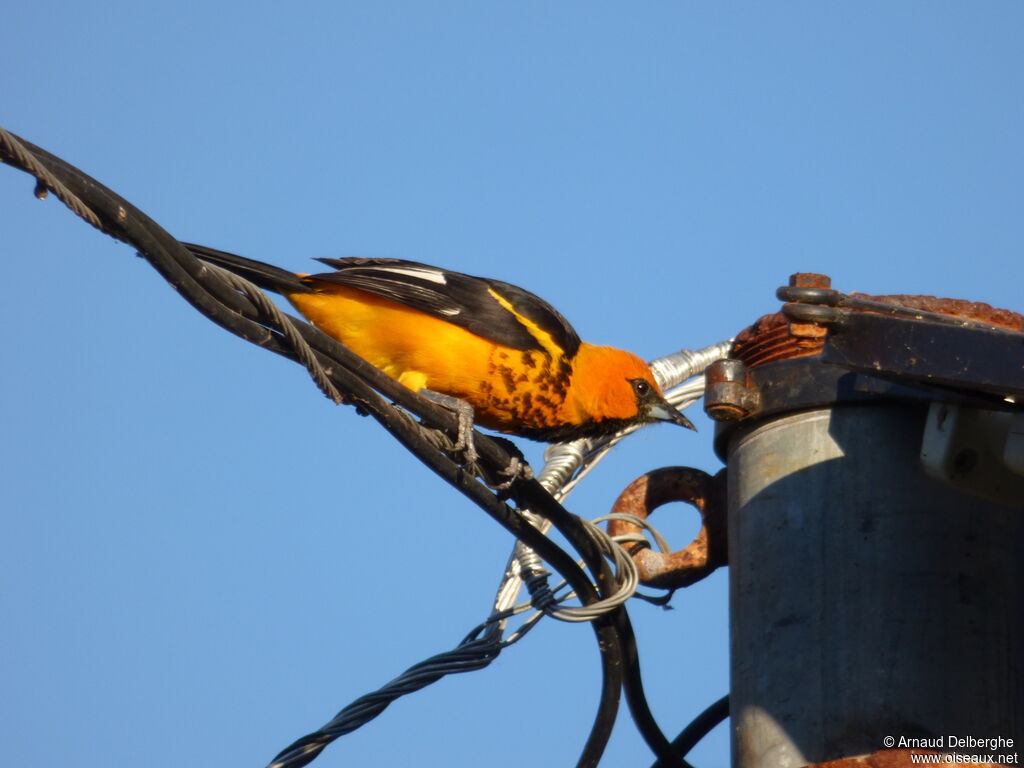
611	388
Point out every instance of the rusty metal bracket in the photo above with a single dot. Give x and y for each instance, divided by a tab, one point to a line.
902	347
707	552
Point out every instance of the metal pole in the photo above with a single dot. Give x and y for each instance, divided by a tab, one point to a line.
868	599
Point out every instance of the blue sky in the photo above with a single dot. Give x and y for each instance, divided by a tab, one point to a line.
201	558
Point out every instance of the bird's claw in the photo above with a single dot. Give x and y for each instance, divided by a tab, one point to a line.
464	412
517	466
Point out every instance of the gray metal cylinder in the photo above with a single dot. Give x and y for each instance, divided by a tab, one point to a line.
868	599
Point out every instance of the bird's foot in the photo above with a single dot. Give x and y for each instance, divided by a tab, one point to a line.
464	412
517	467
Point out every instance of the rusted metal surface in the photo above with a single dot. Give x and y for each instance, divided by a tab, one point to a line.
808	336
769	340
775	337
729	394
810	280
671	570
893	758
966	310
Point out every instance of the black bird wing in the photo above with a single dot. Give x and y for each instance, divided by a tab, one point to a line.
495	310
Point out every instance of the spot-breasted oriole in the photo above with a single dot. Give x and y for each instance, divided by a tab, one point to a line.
509	354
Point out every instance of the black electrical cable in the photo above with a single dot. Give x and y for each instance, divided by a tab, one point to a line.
537	499
668	756
700	727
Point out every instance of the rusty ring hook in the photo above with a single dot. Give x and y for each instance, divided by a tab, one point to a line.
671	570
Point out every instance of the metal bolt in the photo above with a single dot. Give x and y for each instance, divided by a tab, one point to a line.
728	394
810	280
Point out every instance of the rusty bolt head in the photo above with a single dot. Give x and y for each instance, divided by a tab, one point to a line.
728	394
810	280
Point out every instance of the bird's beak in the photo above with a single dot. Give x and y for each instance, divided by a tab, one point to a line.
662	410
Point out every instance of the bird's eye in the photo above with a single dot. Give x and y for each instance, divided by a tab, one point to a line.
640	387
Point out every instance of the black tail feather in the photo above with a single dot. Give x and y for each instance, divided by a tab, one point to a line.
266	276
